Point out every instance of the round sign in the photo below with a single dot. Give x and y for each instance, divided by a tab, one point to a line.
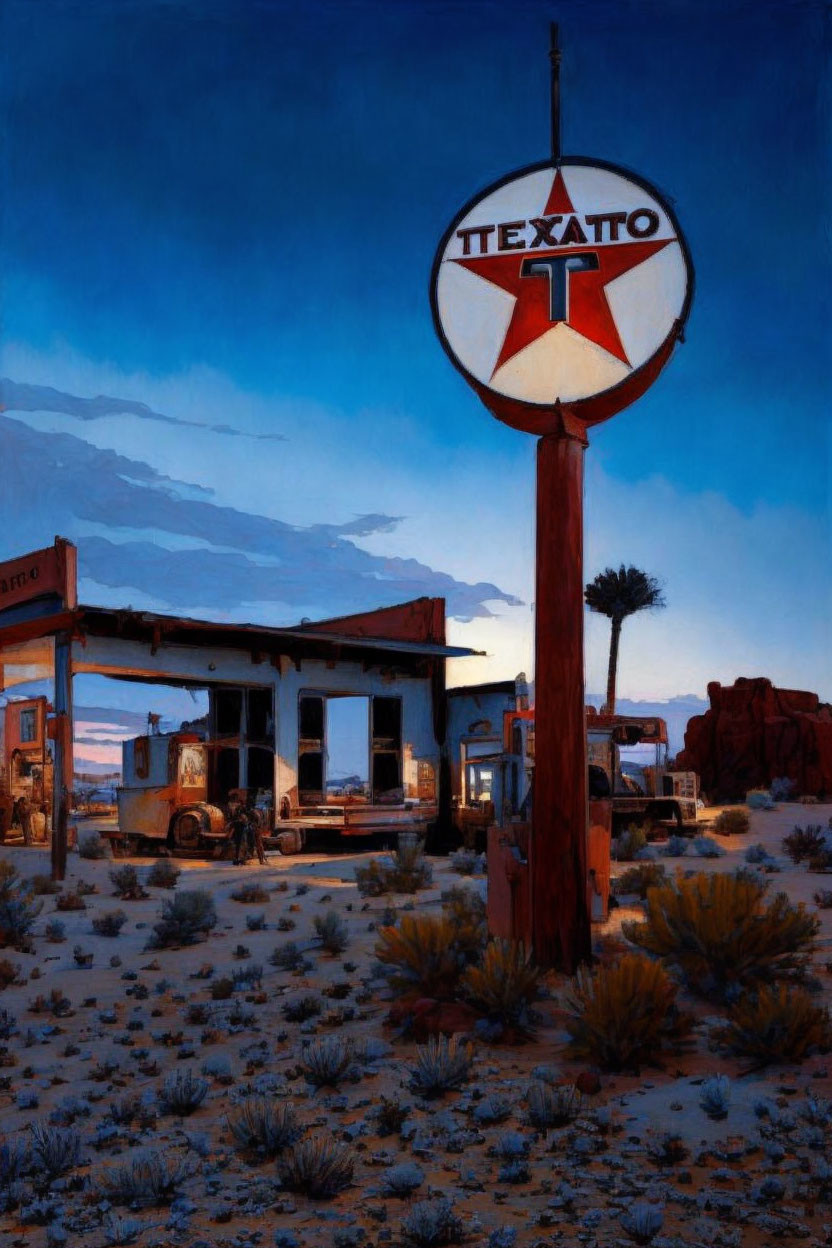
562	288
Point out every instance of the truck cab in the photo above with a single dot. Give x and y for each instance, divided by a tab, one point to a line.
164	796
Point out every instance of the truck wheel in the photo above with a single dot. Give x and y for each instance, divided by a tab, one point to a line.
187	830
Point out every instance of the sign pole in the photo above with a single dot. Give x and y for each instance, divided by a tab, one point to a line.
559	293
62	769
560	910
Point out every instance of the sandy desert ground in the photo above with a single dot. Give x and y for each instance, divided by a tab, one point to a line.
134	1016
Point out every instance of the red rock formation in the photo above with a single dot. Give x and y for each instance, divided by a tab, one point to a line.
753	733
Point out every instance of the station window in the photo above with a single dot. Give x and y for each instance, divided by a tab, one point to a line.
28	725
349	749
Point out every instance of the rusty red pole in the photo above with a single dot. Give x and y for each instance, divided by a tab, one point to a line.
560	912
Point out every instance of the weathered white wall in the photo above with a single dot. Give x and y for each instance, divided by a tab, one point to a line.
206	666
315	676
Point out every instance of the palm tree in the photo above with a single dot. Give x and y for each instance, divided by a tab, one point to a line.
617	595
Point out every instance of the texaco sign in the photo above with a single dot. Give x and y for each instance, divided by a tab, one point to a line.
562	287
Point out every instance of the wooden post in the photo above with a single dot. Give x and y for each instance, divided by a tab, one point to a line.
62	770
560	913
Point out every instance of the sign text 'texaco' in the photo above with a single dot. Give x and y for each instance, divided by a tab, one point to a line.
604	227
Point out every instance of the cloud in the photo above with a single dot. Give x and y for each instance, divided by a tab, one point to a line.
18	396
61	483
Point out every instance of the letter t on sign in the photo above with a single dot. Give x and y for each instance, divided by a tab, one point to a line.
557	269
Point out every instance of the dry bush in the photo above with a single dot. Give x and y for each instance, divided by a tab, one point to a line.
724	932
778	1023
70	901
406	872
465	909
185	918
637	880
317	1167
126	883
441	1065
804	843
732	822
262	1128
505	984
424	955
18	908
625	1016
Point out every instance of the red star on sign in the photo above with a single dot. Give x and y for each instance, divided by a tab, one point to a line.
588	310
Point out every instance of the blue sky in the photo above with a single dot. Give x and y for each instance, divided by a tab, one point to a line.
224	214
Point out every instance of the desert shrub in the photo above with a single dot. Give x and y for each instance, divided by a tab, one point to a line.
407	871
801	844
625	1016
777	1023
222	989
676	847
251	893
287	957
70	901
54	1150
185	917
8	1024
125	881
466	862
756	854
9	974
44	885
163	874
465	909
628	843
302	1008
248	976
182	1093
91	846
146	1179
332	933
325	1062
441	1065
256	922
390	1116
823	899
55	1004
637	880
402	1180
715	1097
18	908
432	1224
262	1128
821	861
118	1231
667	1150
317	1167
55	931
707	847
552	1105
423	955
642	1221
109	923
782	789
724	933
732	822
124	1110
759	799
505	984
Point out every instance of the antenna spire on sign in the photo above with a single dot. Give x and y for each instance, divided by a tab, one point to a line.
554	57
